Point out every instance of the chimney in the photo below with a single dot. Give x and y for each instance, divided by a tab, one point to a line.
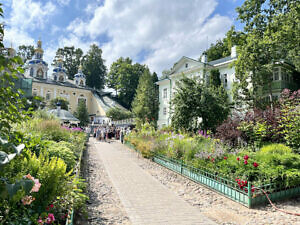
204	58
233	52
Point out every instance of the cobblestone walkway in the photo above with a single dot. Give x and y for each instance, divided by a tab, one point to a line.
146	201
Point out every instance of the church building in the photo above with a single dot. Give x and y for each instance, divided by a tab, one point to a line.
56	84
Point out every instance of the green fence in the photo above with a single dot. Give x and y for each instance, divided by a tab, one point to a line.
227	187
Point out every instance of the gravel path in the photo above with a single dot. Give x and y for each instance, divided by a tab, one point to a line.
218	208
104	206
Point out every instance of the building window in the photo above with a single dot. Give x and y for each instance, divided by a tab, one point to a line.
34	93
81	83
165	111
55	77
81	100
276	74
165	93
74	93
48	96
31	72
40	73
186	65
61	78
225	80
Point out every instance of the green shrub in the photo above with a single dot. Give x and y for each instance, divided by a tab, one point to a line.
62	150
275	148
53	176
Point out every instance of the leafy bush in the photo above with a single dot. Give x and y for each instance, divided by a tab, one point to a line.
275	148
62	150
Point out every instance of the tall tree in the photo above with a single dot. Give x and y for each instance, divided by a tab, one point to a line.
71	59
94	68
194	100
145	103
124	78
272	29
82	113
26	52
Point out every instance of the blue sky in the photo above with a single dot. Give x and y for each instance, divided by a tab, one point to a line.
152	32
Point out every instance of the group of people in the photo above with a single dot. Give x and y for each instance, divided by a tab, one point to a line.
107	133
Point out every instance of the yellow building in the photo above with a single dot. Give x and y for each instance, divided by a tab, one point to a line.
58	85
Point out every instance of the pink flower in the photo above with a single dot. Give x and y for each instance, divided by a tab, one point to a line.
255	164
40	221
245	162
212	159
26	200
36	186
50	218
51	206
246	157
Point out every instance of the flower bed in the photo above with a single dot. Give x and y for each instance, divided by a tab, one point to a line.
45	187
238	174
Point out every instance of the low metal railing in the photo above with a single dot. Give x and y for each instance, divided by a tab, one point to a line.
248	196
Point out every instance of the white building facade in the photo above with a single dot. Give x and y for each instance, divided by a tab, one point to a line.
192	68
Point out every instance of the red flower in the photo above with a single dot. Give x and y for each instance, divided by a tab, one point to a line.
245	162
212	159
225	157
51	206
238	158
47	208
255	164
208	157
246	157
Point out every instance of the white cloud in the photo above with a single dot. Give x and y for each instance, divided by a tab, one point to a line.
63	2
25	17
29	15
167	29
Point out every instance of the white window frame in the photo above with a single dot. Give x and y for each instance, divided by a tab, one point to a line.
165	93
165	111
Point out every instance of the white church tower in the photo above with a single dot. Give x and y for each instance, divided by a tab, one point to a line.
59	72
79	78
37	67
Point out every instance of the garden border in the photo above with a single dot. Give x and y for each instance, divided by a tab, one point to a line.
70	217
224	186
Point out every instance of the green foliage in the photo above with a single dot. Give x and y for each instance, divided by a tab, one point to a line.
71	59
124	78
276	149
63	103
26	52
145	104
82	113
272	29
218	50
118	114
194	100
289	122
52	174
62	150
214	78
94	68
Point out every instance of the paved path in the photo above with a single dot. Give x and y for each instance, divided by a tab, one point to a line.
146	201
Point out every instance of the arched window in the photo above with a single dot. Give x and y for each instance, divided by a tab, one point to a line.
31	72
76	82
81	83
40	73
55	77
61	78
